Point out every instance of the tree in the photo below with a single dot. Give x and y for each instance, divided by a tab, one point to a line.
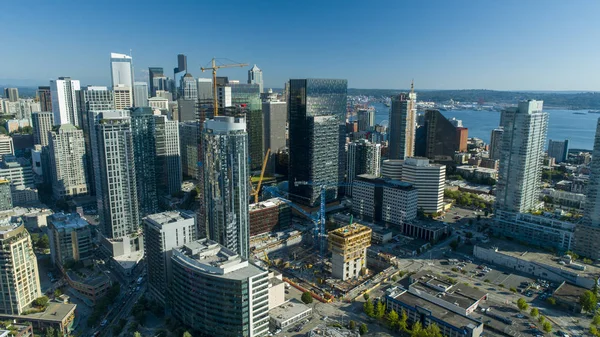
380	310
392	318
551	300
433	331
41	301
187	334
43	242
306	297
454	244
594	330
596	320
137	334
366	296
588	301
363	329
547	327
50	332
369	308
541	319
522	304
416	329
394	278
402	324
534	312
352	325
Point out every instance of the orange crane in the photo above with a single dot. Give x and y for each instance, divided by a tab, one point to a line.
214	69
256	191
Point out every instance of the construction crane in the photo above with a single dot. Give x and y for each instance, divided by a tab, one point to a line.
214	69
256	191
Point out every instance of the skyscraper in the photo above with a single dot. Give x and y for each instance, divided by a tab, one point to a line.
45	97
68	162
189	138
496	143
366	119
255	77
205	90
140	94
364	157
246	98
64	101
143	127
521	157
442	138
121	67
12	94
316	110
274	130
225	148
429	179
558	149
168	156
155	72
402	125
188	88
41	123
116	191
123	97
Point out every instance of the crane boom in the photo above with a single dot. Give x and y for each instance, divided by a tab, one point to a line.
256	191
214	69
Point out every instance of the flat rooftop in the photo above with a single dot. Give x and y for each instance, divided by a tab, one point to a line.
350	230
129	261
273	202
164	218
569	292
459	294
56	312
288	310
67	221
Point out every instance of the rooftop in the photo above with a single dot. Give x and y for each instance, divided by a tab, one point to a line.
164	218
568	292
288	310
266	204
350	230
67	221
56	312
129	261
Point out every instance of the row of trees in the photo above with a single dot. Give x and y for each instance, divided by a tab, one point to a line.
399	322
467	199
523	305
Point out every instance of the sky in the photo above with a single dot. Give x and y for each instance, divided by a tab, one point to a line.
441	44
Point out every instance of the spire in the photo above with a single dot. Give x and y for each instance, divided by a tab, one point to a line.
412	86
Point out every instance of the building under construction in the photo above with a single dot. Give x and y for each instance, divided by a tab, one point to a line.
348	246
269	216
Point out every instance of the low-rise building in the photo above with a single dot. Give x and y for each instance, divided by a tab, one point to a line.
567	296
289	313
269	216
430	231
472	171
348	246
89	284
564	198
58	316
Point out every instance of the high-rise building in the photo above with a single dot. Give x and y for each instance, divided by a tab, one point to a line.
155	72
392	169
219	276
20	280
5	195
41	123
255	77
364	157
168	156
12	94
143	128
123	97
188	88
140	94
70	238
189	137
366	119
391	201
521	157
274	130
45	97
205	90
6	145
17	171
402	125
67	161
121	68
116	191
558	149
316	110
64	101
429	179
442	138
496	143
181	63
225	165
163	232
348	246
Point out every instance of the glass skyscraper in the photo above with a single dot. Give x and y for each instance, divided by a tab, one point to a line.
247	97
317	111
143	125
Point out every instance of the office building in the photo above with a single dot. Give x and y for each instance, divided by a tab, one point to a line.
155	78
6	146
274	130
42	122
121	68
114	165
67	162
189	138
12	94
163	232
348	246
188	88
255	77
269	216
168	156
205	90
364	157
70	238
45	97
186	110
443	139
225	166
366	119
429	179
5	195
64	101
159	103
316	110
20	281
246	97
123	97
496	143
140	94
559	150
384	200
222	279
143	131
521	157
17	171
402	125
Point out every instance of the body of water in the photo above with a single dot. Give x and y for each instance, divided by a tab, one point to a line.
562	124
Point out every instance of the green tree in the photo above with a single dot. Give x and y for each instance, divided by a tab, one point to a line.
594	331
596	320
41	301
366	296
402	321
43	242
137	334
50	332
534	312
187	334
588	301
547	327
551	300
541	319
352	325
57	292
416	329
380	310
394	278
363	329
522	304
433	331
392	318
306	297
369	308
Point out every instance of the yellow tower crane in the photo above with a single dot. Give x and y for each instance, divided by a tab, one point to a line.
256	191
214	69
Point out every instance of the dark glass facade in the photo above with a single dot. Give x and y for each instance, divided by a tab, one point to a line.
317	111
247	96
143	127
442	139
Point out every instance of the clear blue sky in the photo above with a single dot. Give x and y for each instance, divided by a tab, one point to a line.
458	44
